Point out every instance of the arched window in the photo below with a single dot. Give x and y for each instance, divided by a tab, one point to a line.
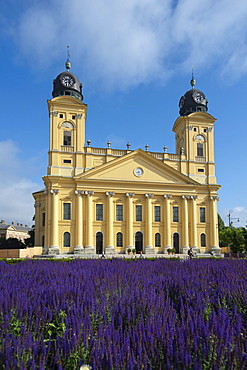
119	239
203	240
200	137
66	239
157	240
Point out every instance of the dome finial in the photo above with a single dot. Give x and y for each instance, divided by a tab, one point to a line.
193	81
68	64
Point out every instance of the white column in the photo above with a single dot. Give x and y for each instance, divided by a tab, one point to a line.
89	249
129	223
167	222
109	224
79	222
54	248
185	231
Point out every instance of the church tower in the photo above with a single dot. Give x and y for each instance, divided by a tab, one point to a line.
194	131
67	125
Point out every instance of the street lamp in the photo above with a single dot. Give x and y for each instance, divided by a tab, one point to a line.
231	218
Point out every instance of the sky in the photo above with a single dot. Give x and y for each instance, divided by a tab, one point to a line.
134	59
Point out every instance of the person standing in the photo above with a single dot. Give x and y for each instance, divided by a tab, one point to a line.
190	253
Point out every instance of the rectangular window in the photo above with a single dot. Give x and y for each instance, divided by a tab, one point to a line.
119	212
175	214
43	219
99	212
66	211
156	213
200	170
67	138
138	213
199	150
67	161
202	214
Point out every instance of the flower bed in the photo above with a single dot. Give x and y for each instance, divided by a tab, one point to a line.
116	314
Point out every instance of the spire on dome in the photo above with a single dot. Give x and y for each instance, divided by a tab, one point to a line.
68	64
192	81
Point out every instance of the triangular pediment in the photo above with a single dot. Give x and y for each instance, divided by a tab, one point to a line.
137	166
10	228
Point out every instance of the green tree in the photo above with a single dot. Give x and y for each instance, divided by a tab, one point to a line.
29	242
12	243
234	237
221	223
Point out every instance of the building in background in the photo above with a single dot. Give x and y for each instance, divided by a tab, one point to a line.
105	200
18	231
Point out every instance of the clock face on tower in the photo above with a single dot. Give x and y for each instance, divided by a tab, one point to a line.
198	97
67	81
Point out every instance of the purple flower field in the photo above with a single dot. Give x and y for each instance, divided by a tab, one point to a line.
118	314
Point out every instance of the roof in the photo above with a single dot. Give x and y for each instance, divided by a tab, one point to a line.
17	227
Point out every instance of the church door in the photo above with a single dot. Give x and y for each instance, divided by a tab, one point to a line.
139	242
176	242
99	242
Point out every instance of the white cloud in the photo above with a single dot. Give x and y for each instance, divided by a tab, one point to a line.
125	43
16	202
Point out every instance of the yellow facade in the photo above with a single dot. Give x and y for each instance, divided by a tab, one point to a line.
104	200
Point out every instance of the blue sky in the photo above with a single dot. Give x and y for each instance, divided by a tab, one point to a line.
134	59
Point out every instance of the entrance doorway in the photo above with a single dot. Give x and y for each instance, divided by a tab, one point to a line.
139	242
99	242
176	242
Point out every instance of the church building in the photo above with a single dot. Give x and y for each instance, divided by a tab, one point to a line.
105	200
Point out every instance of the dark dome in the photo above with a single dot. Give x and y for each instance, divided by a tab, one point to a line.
192	101
67	83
